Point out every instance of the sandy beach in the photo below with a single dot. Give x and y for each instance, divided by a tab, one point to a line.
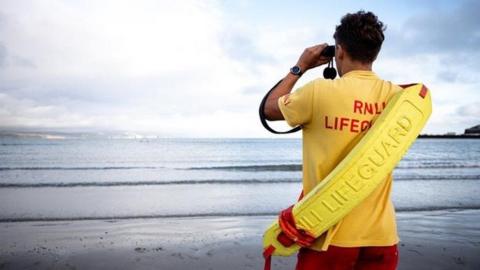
429	240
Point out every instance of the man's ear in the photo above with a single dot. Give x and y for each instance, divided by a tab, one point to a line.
339	52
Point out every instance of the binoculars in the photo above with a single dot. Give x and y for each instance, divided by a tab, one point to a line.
329	72
329	51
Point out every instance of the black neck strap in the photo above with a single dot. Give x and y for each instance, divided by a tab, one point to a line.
328	73
263	119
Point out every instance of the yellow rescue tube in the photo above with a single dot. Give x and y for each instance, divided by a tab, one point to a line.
362	170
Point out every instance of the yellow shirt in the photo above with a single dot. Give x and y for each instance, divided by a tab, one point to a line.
335	115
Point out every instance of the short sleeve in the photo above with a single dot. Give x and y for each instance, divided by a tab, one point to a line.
297	107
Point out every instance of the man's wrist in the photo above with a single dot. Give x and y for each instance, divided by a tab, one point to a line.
296	70
302	69
291	78
302	66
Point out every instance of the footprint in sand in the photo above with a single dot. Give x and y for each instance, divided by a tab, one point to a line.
178	255
459	260
250	257
140	249
416	251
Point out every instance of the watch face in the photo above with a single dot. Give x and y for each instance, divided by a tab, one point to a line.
296	70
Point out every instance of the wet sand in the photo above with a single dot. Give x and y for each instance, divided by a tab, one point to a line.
446	239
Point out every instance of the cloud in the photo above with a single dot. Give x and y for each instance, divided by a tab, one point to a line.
452	29
455	118
439	47
173	68
187	68
32	114
240	46
450	33
3	55
96	59
471	110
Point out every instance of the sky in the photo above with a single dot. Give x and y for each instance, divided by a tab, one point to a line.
200	68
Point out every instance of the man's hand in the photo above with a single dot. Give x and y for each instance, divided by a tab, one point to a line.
311	58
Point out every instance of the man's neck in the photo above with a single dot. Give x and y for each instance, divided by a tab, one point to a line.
356	66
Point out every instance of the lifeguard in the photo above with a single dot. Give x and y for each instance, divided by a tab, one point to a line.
335	115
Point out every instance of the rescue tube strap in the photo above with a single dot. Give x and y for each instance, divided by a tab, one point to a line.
267	254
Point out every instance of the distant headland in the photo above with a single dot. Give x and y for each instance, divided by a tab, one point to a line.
470	133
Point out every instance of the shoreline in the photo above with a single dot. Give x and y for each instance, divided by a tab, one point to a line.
460	136
58	136
442	239
214	215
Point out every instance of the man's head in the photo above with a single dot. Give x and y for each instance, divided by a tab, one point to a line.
358	39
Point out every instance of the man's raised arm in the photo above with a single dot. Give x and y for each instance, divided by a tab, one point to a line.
309	59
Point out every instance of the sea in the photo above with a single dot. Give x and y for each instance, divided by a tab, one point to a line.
105	178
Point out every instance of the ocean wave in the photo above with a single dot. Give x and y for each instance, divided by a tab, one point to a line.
279	167
217	182
147	183
27	144
439	166
298	167
78	168
213	214
434	177
248	168
80	218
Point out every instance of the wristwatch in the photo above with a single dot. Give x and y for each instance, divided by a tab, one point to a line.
296	70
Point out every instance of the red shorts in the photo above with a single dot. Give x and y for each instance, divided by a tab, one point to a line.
340	258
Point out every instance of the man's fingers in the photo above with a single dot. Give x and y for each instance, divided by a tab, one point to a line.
317	49
320	47
311	57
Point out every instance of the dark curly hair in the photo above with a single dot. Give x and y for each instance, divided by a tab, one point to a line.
361	35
